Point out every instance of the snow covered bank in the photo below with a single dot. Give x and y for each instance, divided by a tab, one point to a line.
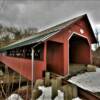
89	81
77	98
14	97
47	94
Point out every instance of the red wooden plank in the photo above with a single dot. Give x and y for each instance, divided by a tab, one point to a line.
23	66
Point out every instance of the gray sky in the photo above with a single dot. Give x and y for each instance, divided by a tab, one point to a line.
43	13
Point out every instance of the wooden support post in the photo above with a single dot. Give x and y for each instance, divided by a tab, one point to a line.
56	84
36	94
38	83
20	81
47	79
27	92
5	69
12	84
67	89
3	91
7	78
59	82
75	91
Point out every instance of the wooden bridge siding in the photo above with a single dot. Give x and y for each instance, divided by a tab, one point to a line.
63	37
23	66
55	57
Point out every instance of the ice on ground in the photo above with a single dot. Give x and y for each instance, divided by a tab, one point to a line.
60	96
97	69
76	98
46	93
89	81
14	97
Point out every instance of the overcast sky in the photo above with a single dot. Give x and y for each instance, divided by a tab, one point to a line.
43	13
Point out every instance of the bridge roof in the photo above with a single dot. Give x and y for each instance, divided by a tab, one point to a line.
27	41
44	35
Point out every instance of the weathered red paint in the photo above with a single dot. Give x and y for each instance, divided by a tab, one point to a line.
63	37
24	66
55	57
56	53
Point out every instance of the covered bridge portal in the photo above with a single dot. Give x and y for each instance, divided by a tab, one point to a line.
55	49
79	53
79	50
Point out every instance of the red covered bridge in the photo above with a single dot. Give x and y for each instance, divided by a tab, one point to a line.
54	49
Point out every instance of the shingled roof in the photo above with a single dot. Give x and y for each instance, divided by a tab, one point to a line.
44	35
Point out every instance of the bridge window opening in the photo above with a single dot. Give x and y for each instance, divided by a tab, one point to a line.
28	53
25	52
38	52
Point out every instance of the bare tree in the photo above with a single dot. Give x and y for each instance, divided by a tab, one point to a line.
97	37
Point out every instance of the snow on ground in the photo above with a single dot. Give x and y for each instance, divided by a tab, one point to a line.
89	81
98	69
60	96
14	97
47	94
77	98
